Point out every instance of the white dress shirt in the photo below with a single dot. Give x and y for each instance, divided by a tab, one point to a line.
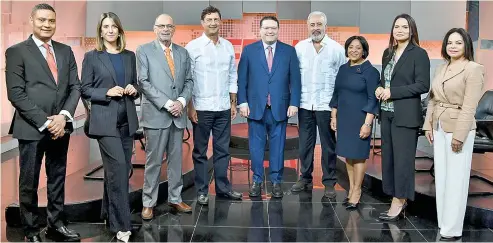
266	51
39	43
318	72
181	99
213	72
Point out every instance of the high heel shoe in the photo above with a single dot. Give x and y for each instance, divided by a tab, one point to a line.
345	202
351	206
402	213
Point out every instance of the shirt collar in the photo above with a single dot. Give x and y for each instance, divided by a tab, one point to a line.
325	40
40	42
206	40
165	47
273	45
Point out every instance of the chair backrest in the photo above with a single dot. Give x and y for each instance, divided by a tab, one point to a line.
484	115
484	111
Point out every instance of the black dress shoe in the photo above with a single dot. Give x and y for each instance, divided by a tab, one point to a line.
62	234
330	192
277	191
255	190
453	238
203	199
34	238
231	195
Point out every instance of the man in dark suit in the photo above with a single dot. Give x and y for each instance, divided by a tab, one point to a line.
269	90
43	86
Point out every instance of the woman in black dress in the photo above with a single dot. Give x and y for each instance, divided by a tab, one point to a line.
354	106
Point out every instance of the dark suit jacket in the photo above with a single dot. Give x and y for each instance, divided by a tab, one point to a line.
410	79
98	76
32	90
255	82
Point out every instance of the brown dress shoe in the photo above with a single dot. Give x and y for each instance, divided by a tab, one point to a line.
147	213
181	207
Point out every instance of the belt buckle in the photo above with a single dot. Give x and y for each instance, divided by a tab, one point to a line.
268	106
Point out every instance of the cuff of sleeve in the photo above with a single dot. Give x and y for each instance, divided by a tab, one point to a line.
182	101
168	104
41	129
64	112
243	105
233	89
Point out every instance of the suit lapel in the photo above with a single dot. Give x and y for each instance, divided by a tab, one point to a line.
39	58
127	64
263	58
105	59
277	57
402	59
161	56
58	56
176	60
452	72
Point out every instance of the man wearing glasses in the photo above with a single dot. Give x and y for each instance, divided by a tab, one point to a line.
213	105
269	87
165	79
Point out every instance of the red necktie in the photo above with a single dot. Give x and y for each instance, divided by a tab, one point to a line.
269	64
50	59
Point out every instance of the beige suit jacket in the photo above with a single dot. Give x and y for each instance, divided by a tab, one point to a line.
455	95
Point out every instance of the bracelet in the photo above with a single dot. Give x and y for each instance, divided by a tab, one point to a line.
367	124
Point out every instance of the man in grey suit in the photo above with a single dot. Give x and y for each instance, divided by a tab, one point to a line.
165	79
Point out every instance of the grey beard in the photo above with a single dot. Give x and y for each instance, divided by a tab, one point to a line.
317	38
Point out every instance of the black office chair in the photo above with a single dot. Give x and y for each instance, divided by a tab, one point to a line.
483	142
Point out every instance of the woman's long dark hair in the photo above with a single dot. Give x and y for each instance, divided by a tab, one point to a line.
413	32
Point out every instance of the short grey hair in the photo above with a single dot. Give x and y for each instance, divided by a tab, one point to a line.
317	13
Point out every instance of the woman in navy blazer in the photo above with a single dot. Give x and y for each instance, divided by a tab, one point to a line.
108	79
405	76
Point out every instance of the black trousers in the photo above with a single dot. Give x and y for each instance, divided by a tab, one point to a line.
116	153
398	157
220	124
30	159
308	121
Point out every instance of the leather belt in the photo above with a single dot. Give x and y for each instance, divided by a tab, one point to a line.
449	105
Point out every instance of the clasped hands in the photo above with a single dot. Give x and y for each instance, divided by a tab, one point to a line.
56	126
382	94
118	91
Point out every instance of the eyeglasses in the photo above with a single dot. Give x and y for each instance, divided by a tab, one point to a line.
270	28
208	21
163	26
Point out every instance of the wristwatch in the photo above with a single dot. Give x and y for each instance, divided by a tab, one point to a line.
368	124
66	118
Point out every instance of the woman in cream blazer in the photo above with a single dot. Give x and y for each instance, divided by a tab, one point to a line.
450	127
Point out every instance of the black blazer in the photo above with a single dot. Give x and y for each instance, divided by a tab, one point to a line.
410	79
32	90
98	76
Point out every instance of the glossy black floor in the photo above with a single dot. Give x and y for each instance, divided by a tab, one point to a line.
304	217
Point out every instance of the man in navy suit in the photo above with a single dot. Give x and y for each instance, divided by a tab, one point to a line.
269	87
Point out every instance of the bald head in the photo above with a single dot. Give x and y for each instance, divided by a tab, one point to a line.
163	18
164	28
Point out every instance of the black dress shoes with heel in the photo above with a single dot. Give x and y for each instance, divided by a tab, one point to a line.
62	234
255	190
277	191
401	214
